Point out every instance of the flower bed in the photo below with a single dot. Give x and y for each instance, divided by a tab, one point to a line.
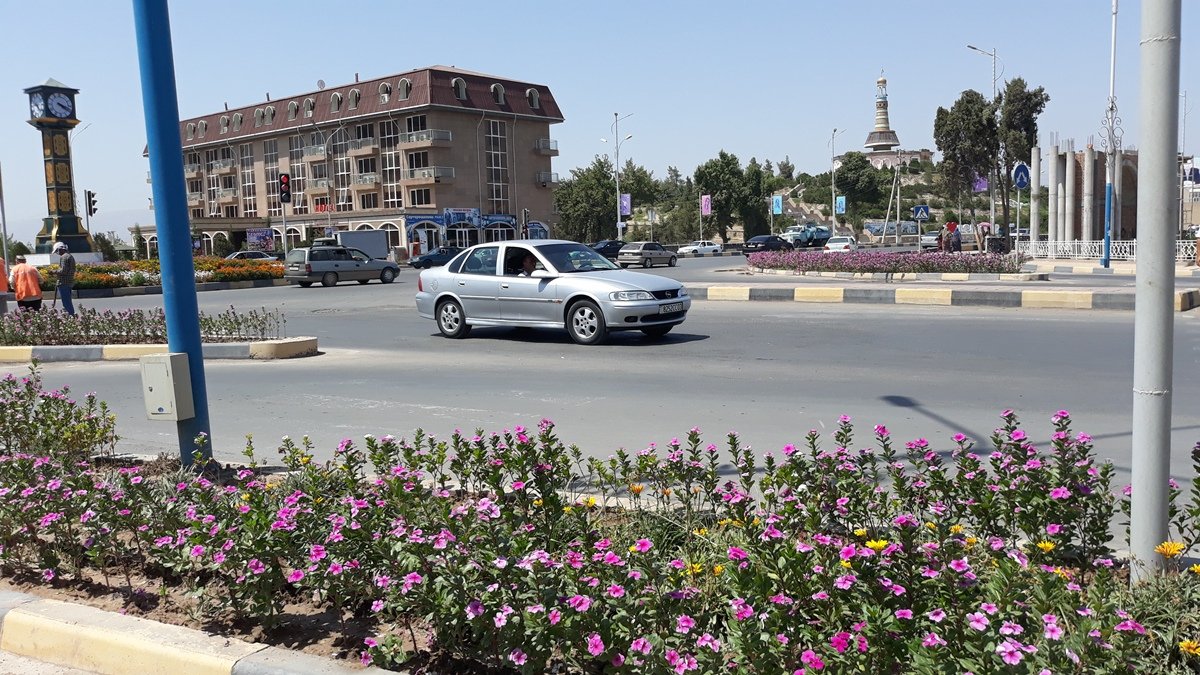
509	550
132	326
871	262
147	273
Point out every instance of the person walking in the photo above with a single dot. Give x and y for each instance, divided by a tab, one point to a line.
66	276
27	285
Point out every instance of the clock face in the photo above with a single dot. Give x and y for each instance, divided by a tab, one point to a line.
60	105
37	106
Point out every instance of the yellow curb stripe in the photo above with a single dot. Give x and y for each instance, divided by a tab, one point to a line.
729	293
17	354
1057	299
956	276
107	643
817	294
124	352
923	296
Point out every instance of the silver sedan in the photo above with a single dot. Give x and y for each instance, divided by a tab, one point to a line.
548	283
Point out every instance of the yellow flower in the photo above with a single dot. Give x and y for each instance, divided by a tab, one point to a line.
537	502
695	568
591	502
637	488
971	541
877	545
567	509
1190	647
724	521
305	459
930	526
1046	546
318	500
956	529
1062	573
245	496
860	532
1194	569
1169	549
756	521
846	564
666	492
717	570
700	532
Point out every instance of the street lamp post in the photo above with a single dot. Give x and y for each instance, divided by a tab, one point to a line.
833	181
992	182
1112	140
616	127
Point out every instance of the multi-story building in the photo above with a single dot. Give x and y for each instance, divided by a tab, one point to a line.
435	155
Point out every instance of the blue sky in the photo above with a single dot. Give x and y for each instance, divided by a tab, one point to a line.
763	79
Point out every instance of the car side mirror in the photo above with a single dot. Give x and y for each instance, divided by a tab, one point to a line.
542	274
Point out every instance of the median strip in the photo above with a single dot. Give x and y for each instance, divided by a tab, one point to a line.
284	348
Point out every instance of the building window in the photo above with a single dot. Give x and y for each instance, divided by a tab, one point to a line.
385	93
335	103
197	214
418	160
337	147
201	129
421	197
308	107
249	191
405	89
293	108
230	212
460	88
191	131
369	200
224	123
271	168
270	116
416	123
354	96
195	186
535	99
237	121
299	171
390	160
496	145
258	118
498	93
366	165
364	131
214	182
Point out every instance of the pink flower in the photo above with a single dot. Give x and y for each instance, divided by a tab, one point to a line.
845	581
847	552
517	656
960	565
989	608
579	603
904	614
643	545
684	623
1059	493
595	645
295	576
1053	632
640	645
334	568
1053	528
616	590
316	552
977	621
555	616
517	486
932	640
376	606
1130	625
840	641
709	641
474	609
937	615
197	551
47	575
1010	628
1010	652
256	566
736	553
810	659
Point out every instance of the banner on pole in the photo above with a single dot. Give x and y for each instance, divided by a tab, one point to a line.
980	185
706	205
840	207
777	204
626	204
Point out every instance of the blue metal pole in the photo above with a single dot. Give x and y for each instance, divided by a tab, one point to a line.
1108	196
157	67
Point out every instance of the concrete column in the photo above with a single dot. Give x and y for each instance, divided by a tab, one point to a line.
1070	232
1118	159
1052	198
1061	235
1035	192
1088	229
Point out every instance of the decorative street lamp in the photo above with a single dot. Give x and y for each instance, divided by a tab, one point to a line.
993	177
616	127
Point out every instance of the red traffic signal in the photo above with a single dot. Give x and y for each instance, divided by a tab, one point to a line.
285	188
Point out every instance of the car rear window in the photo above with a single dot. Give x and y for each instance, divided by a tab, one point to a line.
631	247
296	255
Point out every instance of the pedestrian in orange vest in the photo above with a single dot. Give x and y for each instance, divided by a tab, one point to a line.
27	285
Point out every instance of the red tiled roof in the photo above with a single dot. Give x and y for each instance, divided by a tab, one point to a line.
430	86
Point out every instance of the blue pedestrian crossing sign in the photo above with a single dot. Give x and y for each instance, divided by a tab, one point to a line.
1020	176
921	212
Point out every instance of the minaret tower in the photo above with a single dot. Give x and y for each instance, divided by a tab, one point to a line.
882	138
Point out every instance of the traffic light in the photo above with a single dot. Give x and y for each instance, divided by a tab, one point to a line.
285	188
90	198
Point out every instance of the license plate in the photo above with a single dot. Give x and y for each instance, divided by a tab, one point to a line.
673	307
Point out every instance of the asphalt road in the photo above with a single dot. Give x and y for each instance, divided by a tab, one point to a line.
770	371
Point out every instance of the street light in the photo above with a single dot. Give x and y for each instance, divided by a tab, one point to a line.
616	127
992	181
833	181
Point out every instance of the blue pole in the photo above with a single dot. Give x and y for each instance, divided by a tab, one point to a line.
1108	195
157	66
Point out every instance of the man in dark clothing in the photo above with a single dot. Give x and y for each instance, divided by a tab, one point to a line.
66	276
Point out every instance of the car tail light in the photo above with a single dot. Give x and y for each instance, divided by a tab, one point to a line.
420	286
827	247
307	268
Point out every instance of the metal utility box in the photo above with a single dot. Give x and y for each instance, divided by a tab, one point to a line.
167	386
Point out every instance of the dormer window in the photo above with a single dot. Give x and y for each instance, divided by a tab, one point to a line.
237	121
308	107
224	123
498	93
460	88
405	89
335	103
258	118
534	98
354	96
270	116
191	131
201	129
385	93
293	108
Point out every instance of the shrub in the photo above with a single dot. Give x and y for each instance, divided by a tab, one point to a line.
132	326
870	262
147	272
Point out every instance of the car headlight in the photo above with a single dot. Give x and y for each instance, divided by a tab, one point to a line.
630	295
683	292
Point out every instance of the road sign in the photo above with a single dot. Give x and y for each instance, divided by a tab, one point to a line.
921	212
1020	176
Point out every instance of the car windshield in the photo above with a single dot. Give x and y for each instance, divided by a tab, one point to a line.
570	257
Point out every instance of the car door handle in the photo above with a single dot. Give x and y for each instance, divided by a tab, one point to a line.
503	285
462	283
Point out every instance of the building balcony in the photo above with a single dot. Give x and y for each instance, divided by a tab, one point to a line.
227	196
314	153
429	174
429	138
362	146
365	182
318	183
547	178
195	198
223	166
547	147
191	170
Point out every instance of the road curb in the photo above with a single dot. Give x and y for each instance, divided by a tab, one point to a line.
86	638
85	293
284	348
912	276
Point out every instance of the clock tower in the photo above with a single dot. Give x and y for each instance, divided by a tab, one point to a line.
52	111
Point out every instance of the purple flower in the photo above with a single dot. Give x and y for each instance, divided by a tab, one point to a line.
1060	493
595	645
937	615
517	656
295	576
1010	652
684	623
977	621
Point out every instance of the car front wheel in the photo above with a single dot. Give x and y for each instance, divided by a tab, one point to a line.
586	324
330	279
387	275
672	261
451	321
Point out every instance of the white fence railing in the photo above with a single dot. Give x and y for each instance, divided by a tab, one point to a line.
1125	249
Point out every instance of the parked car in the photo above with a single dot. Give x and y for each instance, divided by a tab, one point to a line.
931	240
766	242
438	256
331	264
252	255
841	244
646	254
609	248
571	286
704	247
808	234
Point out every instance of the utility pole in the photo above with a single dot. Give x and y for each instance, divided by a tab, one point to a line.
833	182
1112	139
